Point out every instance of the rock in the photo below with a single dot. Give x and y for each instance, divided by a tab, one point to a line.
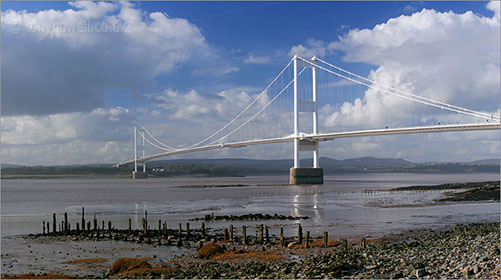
419	272
209	250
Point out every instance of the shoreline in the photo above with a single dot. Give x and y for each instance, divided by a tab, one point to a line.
461	251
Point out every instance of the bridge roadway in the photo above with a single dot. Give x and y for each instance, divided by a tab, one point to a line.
324	137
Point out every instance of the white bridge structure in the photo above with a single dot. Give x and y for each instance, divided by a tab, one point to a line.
311	101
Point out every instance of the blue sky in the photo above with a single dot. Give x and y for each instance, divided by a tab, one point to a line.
221	47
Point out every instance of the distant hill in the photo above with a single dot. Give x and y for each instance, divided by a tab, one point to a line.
485	162
245	167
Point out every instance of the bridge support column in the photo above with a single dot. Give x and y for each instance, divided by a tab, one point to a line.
139	175
306	176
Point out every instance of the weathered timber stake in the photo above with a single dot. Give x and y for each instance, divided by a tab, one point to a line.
225	234
267	234
109	226
231	232
69	227
345	244
78	228
130	226
54	224
95	222
180	231
307	243
102	225
43	229
260	239
145	230
363	242
244	235
187	230
281	237
165	229
83	218
88	225
299	234
146	215
48	227
326	239
65	223
203	230
159	227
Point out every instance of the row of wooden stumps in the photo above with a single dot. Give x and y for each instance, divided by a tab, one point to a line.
162	231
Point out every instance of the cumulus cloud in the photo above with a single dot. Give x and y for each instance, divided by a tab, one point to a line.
56	61
312	48
97	125
449	57
254	59
194	107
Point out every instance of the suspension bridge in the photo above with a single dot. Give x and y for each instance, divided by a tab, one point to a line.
311	101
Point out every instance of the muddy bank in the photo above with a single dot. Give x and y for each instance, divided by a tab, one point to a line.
462	251
249	217
449	186
465	251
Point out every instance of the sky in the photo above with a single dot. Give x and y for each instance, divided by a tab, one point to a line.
78	76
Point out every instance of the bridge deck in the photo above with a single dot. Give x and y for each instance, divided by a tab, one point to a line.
326	136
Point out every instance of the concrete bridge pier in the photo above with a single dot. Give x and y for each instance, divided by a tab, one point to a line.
306	176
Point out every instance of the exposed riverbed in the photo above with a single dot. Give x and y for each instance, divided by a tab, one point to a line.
347	206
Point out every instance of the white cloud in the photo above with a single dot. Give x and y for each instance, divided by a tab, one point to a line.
312	48
453	58
254	59
72	57
97	125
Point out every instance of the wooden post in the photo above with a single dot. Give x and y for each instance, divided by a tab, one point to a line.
145	230
260	240
165	229
78	228
307	244
102	225
187	230
226	237
244	235
281	237
267	234
180	231
88	225
65	223
83	218
43	229
202	230
159	227
130	226
95	222
109	226
345	244
54	224
326	239
231	232
363	242
299	234
48	228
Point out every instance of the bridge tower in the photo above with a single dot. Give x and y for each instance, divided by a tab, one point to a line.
298	174
135	174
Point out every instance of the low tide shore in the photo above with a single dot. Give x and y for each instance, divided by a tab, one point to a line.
98	250
463	251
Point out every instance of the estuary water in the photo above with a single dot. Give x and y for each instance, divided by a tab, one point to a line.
347	205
